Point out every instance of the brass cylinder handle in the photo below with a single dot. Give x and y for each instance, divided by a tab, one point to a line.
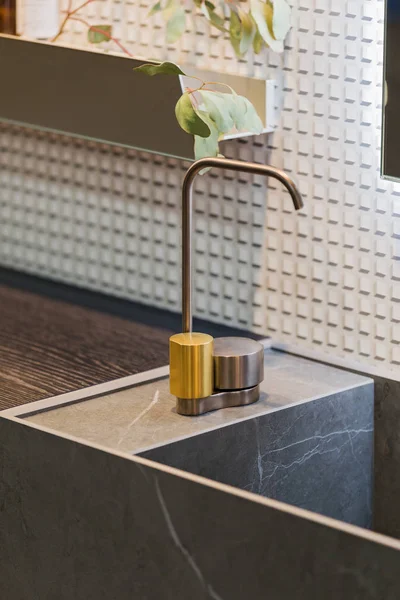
191	365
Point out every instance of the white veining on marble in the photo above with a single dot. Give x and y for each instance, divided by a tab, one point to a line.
266	469
178	543
321	437
319	449
362	469
364	474
260	467
156	398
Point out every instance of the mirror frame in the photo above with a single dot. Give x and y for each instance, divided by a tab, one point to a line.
390	135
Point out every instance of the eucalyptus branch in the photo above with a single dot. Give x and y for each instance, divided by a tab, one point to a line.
219	83
253	24
103	33
68	14
208	115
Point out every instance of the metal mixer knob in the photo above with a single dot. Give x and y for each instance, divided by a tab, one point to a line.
238	363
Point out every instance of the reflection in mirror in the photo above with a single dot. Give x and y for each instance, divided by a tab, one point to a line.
37	19
61	21
247	27
68	66
391	121
8	13
92	95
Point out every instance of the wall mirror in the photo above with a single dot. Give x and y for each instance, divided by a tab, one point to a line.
91	95
68	66
390	167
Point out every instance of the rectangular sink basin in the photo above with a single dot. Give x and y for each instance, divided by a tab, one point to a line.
308	441
108	493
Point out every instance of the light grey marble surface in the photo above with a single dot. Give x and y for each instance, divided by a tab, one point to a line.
80	523
143	417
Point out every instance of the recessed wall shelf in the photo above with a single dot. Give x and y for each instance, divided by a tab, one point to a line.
97	95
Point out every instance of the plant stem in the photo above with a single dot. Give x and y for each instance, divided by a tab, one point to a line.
105	33
68	15
194	77
205	83
219	83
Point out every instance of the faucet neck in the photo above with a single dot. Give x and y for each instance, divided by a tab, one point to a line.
187	216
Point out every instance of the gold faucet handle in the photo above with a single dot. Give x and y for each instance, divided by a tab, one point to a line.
191	365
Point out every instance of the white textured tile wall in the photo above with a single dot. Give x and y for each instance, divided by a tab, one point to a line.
329	278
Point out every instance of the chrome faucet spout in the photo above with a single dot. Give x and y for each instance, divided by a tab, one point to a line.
187	215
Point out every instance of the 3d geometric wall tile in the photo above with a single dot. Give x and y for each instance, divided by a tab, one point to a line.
328	278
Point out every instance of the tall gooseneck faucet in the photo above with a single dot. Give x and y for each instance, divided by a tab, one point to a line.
207	374
187	215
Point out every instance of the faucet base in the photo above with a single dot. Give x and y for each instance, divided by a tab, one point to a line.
225	399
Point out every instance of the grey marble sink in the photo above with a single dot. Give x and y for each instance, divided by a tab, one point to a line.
108	493
308	441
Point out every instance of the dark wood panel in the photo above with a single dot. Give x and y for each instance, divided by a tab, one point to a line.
56	338
49	347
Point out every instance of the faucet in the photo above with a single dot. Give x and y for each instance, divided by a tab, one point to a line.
208	374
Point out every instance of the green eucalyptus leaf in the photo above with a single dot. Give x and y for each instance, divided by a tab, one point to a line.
248	31
208	10
188	118
216	104
170	8
244	114
235	32
156	9
281	19
258	42
268	11
204	147
223	112
176	25
262	13
231	108
99	33
252	121
165	68
217	21
231	111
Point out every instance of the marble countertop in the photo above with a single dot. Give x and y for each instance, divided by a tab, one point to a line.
143	417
